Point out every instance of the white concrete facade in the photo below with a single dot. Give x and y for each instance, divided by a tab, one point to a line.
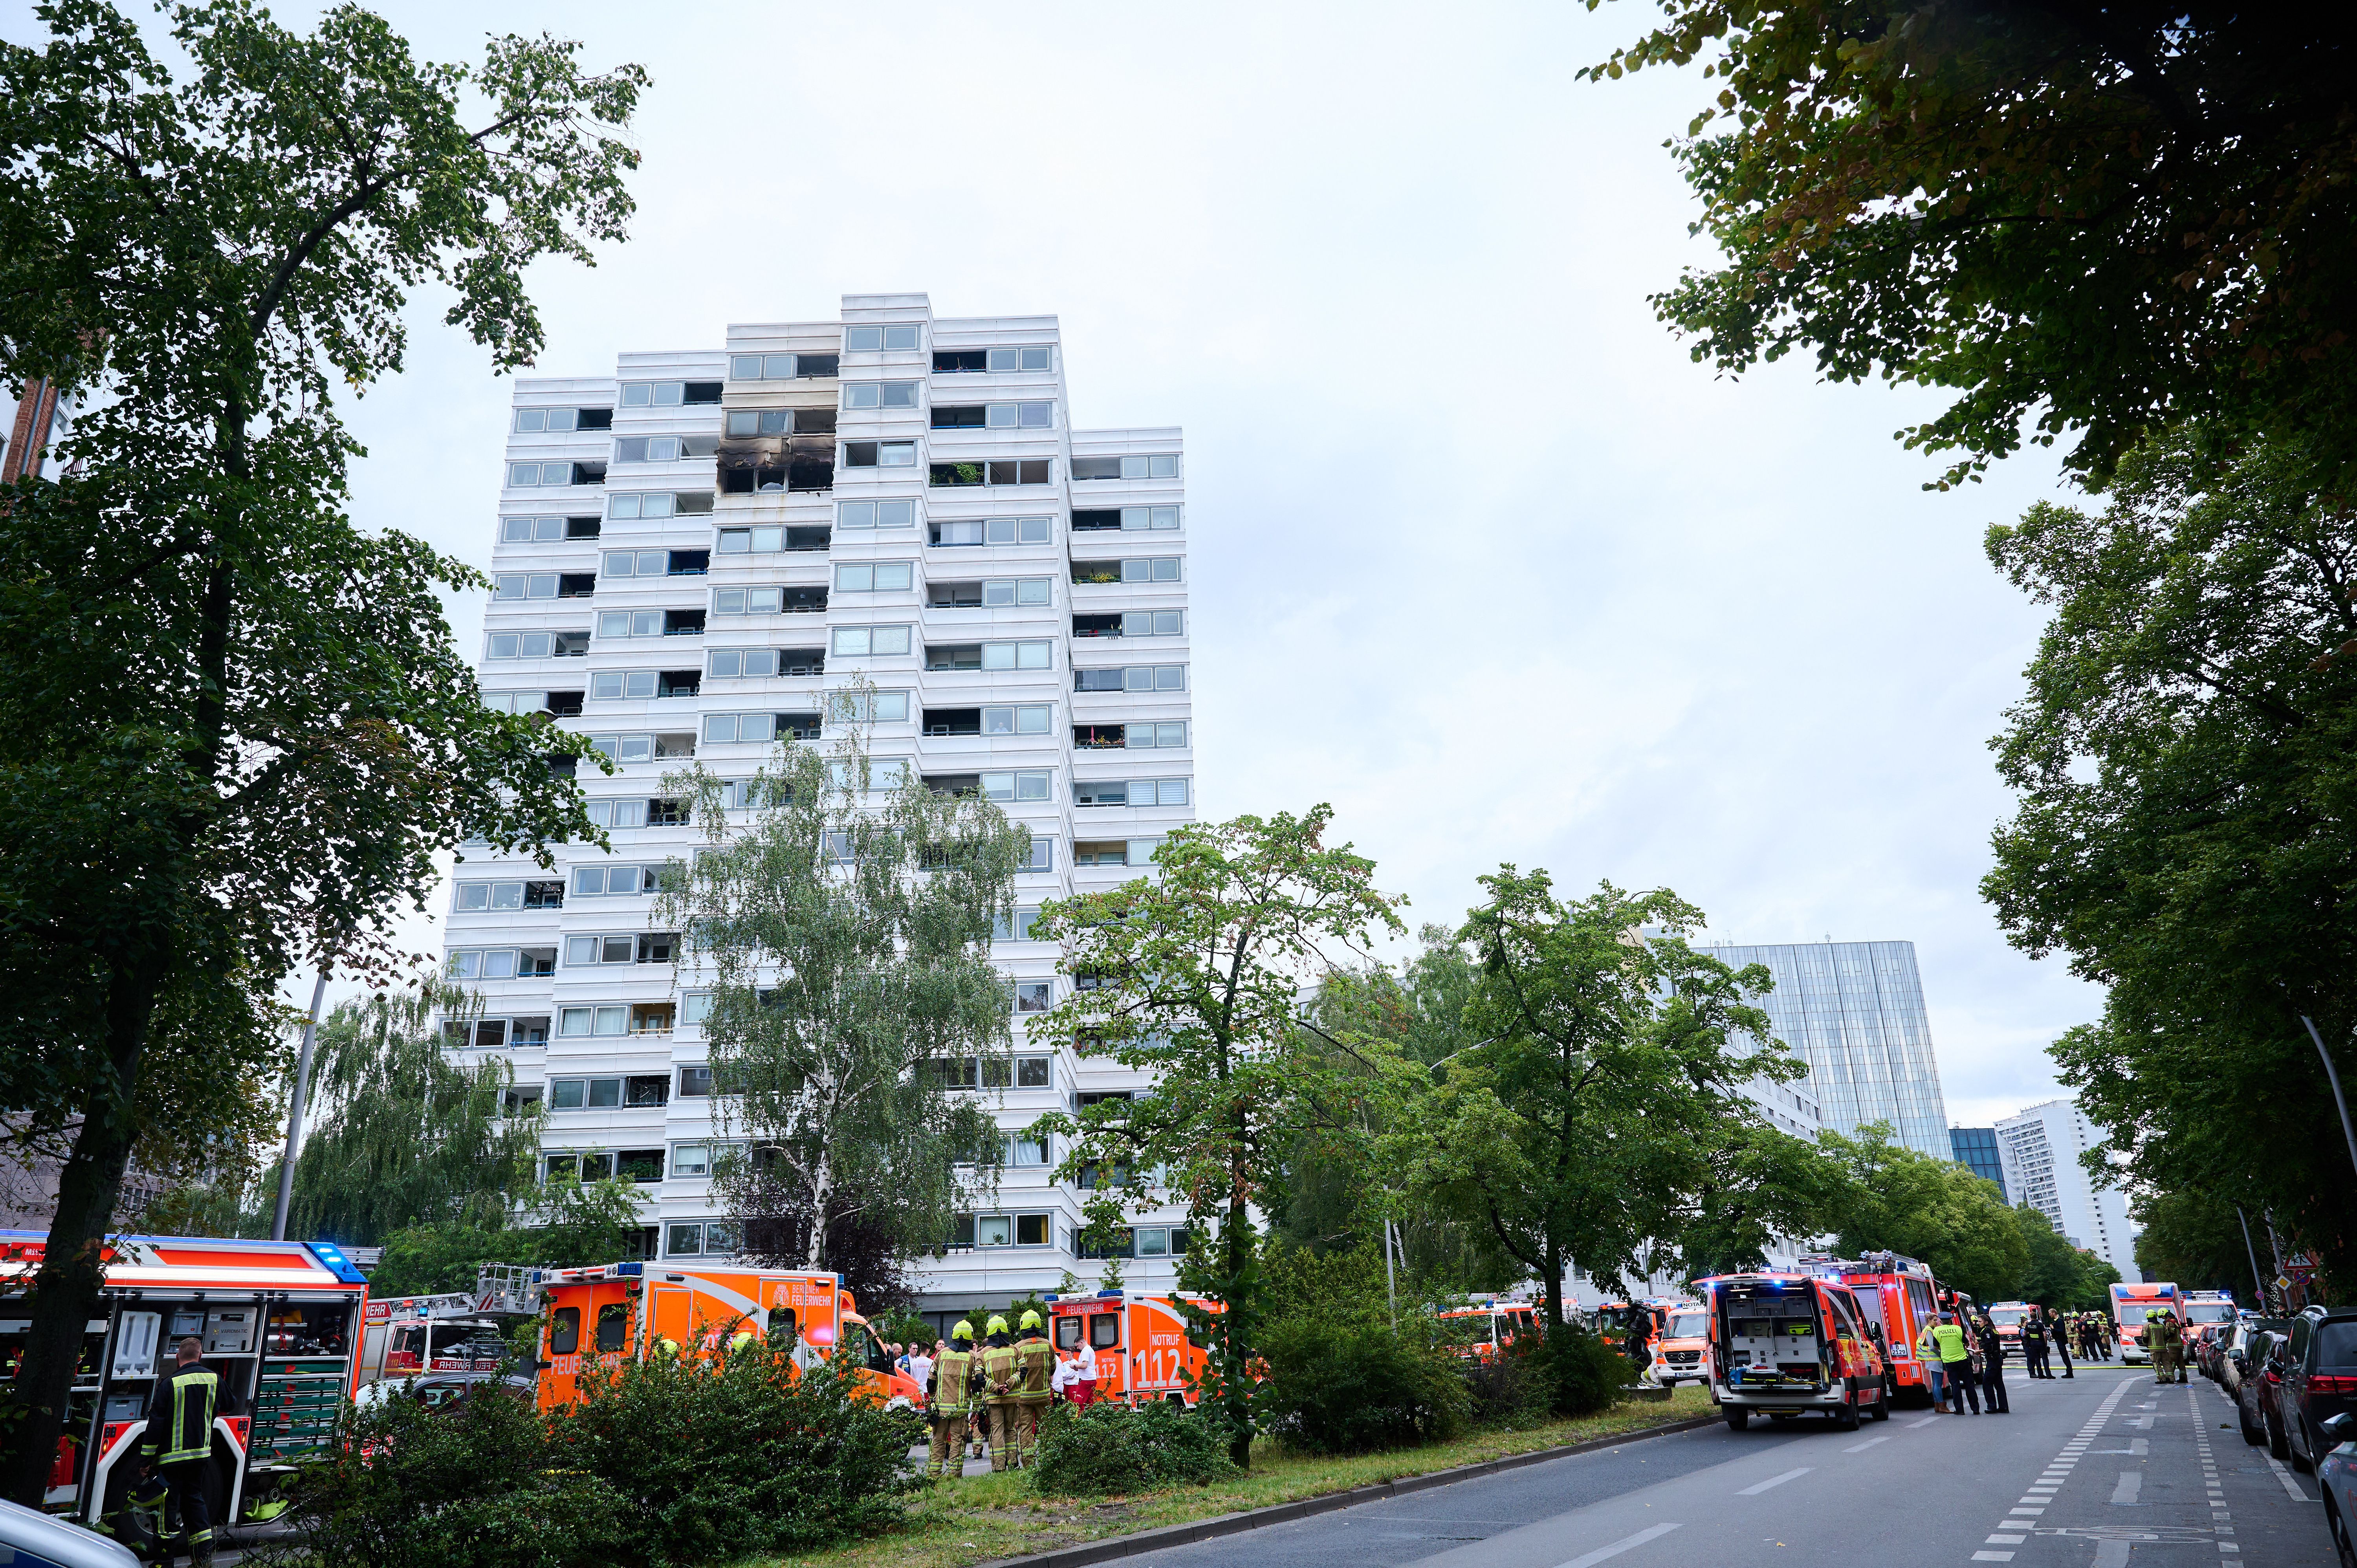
2039	1149
691	552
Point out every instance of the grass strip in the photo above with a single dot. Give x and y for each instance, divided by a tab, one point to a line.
991	1516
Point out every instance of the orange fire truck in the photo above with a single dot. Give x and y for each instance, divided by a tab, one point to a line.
1897	1298
1141	1342
1481	1331
619	1311
277	1321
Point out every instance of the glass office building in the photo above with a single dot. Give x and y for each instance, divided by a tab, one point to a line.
1974	1148
1854	1012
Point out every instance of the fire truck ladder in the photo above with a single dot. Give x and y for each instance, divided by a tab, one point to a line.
508	1290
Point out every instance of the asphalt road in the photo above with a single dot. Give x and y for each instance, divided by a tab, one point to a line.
2099	1471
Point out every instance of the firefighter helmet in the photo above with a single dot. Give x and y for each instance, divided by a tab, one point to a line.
1031	1318
997	1325
964	1330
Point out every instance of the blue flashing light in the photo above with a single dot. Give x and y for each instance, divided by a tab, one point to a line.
628	1271
331	1258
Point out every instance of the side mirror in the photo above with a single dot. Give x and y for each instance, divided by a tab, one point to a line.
2341	1428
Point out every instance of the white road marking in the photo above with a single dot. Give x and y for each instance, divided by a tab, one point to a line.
1754	1491
1862	1447
1925	1421
1992	1556
2282	1474
2006	1539
1590	1559
2111	1554
2131	1483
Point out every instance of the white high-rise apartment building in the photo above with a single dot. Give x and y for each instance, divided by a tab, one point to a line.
692	553
2039	1149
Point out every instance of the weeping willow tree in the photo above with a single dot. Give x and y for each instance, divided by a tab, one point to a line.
406	1135
840	918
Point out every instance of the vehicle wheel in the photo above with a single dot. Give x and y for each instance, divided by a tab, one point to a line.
1882	1405
1738	1418
2251	1435
2341	1542
2304	1463
2276	1443
1845	1418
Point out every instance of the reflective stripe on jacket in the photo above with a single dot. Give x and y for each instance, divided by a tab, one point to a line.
1951	1340
180	1416
998	1372
1036	1362
953	1382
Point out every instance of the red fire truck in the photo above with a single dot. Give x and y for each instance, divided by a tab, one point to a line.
1897	1298
277	1321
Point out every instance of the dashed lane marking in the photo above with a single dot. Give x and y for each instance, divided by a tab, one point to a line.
1754	1491
1589	1560
1862	1447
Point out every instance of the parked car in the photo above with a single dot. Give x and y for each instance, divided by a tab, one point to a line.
2261	1380
445	1391
2319	1381
2234	1354
2337	1476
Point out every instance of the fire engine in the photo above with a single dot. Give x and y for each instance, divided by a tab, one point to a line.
276	1321
604	1315
1478	1332
1144	1350
1897	1298
2129	1306
1786	1343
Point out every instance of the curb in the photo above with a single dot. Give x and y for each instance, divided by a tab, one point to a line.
1145	1541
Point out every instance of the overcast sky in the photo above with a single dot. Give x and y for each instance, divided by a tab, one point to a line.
1477	554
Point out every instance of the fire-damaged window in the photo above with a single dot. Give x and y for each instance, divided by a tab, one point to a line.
777	450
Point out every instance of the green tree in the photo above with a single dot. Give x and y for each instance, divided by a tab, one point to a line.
405	1135
2185	762
2196	1240
1900	1200
1966	195
2059	1275
844	921
565	1223
1195	975
1598	1118
233	728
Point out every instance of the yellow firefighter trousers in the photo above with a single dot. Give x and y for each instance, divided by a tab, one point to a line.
1027	1435
945	1455
1002	1434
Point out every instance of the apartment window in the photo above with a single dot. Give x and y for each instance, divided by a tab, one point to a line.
650	623
1132	678
608	881
626	947
663	448
877	339
1017	930
758	421
1043	854
868	707
481	963
525	586
1131	793
996	472
531	420
733	729
1003	1230
1145	569
992	592
979	656
643	747
872	578
669	394
1156	465
539	645
1129	519
703	1237
694	1007
656	563
967	361
472	896
546	529
996	417
879	394
1133	737
642	1165
1115	852
779	367
883	773
875	514
880	454
1144	623
1033	996
765	539
699	1159
1023	1149
660	503
870	641
1029	785
954	533
608	684
584	1167
527	474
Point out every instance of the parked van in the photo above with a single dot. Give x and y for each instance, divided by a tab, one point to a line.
1783	1344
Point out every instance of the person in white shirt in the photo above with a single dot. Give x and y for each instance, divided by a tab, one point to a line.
919	1365
1084	1384
1061	1381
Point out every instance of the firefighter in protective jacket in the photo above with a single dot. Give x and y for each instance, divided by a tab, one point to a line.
998	1374
949	1400
1035	1363
179	1443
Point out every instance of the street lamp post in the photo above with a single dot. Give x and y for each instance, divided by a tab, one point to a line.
295	1113
2332	1076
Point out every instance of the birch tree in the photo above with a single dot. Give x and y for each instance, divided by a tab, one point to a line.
839	919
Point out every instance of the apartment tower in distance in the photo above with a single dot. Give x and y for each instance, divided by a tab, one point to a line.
691	552
1854	1012
2041	1148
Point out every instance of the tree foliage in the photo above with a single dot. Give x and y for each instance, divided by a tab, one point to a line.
2183	762
234	727
1896	1199
2109	219
1196	974
2196	1240
844	923
2059	1275
565	1223
1597	1117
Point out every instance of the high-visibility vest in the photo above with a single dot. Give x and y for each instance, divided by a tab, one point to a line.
952	1382
1951	1340
180	1417
1035	1362
998	1372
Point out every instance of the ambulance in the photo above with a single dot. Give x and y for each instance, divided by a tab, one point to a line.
1479	1332
2129	1306
278	1322
1681	1345
1783	1345
1897	1298
1142	1348
621	1312
2008	1316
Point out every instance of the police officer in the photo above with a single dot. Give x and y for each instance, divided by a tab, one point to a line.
1035	1363
948	1401
2033	1345
178	1447
2058	1328
998	1376
1993	1366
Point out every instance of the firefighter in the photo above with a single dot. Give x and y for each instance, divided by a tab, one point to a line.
999	1375
178	1447
1035	1363
2168	1347
949	1400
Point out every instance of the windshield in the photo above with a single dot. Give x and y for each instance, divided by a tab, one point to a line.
2007	1316
1687	1326
1466	1328
2211	1312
